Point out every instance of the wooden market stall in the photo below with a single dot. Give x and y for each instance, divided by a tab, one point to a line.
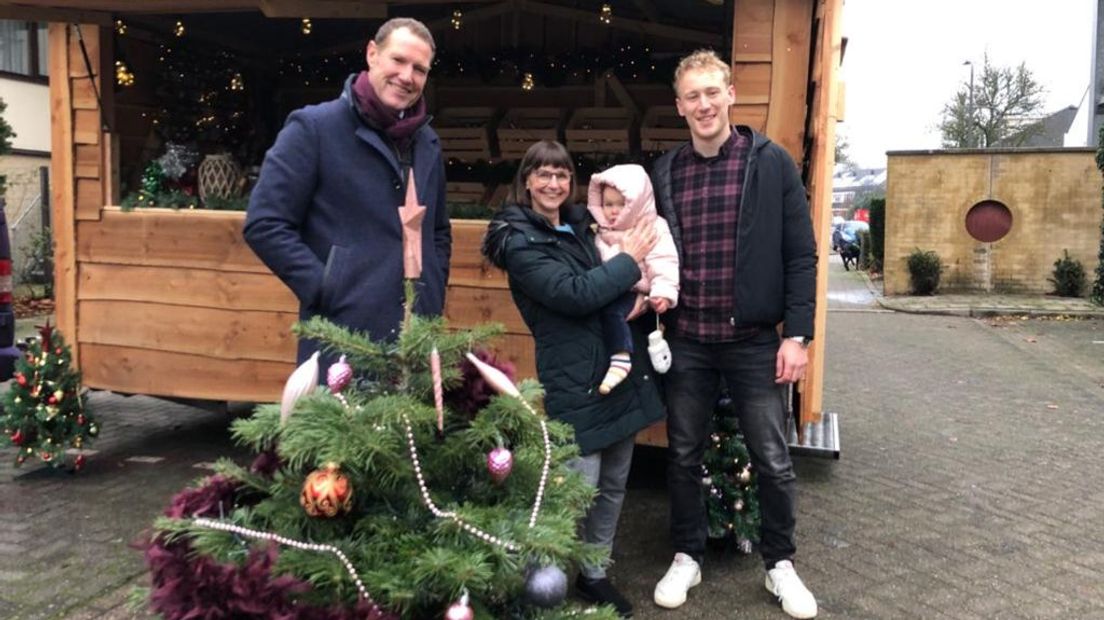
172	302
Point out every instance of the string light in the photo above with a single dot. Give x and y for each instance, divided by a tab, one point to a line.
123	76
606	14
457	17
305	27
178	29
120	27
236	82
527	82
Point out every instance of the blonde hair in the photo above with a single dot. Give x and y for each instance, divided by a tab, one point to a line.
702	60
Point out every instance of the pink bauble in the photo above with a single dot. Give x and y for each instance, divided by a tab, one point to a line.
459	611
500	462
339	375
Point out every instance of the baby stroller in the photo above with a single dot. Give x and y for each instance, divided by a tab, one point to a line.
845	241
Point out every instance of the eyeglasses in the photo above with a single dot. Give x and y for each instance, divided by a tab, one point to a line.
546	177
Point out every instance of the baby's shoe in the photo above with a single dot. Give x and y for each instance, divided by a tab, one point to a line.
659	351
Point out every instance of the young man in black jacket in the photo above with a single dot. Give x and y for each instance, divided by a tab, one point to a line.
737	210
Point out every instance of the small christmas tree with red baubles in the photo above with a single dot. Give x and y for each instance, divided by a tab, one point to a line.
45	413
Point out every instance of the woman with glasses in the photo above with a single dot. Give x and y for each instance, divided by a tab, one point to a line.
545	243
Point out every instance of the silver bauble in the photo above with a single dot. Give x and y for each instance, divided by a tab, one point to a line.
546	587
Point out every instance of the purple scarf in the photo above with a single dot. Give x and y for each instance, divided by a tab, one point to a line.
398	129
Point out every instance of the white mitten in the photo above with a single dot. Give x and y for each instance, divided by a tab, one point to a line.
659	351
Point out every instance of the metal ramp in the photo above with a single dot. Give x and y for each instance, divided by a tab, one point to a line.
819	439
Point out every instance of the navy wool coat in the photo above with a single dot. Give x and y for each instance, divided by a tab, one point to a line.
324	218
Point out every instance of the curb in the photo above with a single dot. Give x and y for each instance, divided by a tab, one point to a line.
990	311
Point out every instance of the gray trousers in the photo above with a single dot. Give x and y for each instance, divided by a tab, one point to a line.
608	470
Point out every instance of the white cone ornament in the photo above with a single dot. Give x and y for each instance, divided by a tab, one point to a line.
495	377
460	610
339	375
301	382
659	351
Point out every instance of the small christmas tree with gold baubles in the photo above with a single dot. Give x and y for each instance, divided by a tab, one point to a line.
417	481
733	491
45	413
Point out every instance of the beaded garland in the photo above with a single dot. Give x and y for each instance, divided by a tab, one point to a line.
248	533
471	529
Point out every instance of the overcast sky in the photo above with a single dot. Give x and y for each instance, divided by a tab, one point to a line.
904	62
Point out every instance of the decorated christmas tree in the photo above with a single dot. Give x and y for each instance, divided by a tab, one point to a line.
418	482
45	413
733	500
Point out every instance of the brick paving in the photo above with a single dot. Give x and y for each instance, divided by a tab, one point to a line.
966	489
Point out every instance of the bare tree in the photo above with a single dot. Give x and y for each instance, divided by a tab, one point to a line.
1002	104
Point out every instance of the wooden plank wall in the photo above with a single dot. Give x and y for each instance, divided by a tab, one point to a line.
771	45
174	303
79	153
478	293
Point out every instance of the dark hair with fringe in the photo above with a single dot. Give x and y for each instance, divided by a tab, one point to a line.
542	153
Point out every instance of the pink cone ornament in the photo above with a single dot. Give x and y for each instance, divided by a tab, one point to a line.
339	375
500	462
494	377
301	382
411	215
438	390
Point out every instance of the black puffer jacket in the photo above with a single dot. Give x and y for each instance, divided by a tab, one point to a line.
776	261
559	285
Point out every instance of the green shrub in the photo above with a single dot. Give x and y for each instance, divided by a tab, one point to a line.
866	259
1069	276
924	268
469	211
877	232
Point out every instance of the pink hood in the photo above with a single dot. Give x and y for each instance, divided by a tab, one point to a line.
633	183
659	269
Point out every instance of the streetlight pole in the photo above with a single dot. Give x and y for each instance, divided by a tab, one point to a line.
973	122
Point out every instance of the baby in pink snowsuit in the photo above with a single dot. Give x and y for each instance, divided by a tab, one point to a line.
617	199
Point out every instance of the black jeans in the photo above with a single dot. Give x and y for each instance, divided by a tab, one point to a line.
692	386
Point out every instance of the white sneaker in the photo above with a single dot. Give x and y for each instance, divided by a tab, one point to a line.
797	600
684	574
659	351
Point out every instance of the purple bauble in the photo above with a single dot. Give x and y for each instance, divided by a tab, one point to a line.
339	375
500	462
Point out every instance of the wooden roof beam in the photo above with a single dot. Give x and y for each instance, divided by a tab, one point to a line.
132	7
341	9
648	8
477	15
621	23
69	16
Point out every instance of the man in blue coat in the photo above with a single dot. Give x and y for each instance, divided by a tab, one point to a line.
324	213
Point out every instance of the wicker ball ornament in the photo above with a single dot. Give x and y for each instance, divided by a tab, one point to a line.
219	177
326	492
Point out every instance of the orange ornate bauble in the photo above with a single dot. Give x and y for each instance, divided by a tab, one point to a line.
326	492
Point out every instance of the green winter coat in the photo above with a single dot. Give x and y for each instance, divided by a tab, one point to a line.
559	285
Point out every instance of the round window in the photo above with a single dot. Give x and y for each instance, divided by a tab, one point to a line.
988	221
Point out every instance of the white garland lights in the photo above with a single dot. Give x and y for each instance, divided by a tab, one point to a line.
248	533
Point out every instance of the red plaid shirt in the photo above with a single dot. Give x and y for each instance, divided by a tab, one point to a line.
706	192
